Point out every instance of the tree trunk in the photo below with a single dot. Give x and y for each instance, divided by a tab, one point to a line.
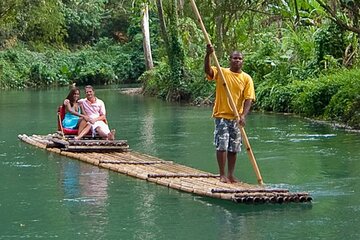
146	34
181	7
219	31
162	23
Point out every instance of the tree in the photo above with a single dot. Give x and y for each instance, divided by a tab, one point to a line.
34	21
84	19
174	47
8	13
338	8
44	21
146	34
346	15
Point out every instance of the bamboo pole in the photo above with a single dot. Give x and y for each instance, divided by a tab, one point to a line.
232	103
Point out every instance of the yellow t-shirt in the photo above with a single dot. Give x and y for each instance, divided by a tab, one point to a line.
241	87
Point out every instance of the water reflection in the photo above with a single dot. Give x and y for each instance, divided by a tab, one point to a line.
85	187
147	133
84	183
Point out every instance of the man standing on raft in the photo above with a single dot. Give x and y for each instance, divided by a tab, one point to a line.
227	135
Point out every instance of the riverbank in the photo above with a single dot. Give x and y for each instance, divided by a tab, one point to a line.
132	91
208	102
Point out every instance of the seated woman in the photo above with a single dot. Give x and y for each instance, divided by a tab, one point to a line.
74	111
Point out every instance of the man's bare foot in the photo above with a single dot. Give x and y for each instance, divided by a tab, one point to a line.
223	179
233	179
111	135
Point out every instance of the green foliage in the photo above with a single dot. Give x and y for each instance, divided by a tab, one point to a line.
154	81
193	87
329	41
275	97
259	64
316	96
104	63
281	62
133	63
333	97
31	21
91	68
10	77
84	20
345	104
8	21
45	22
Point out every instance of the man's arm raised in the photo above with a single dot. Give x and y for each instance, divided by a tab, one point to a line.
207	64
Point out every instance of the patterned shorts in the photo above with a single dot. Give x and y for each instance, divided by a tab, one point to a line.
227	135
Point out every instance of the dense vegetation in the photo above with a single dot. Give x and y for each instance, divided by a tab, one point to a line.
302	54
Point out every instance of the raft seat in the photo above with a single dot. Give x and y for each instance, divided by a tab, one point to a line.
61	116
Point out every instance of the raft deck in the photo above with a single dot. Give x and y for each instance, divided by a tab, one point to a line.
116	156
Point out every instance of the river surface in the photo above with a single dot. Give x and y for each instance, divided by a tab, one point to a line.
47	196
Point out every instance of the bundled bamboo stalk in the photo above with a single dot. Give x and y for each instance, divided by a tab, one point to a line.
96	148
31	141
271	199
60	141
182	175
249	190
131	162
43	140
98	143
180	169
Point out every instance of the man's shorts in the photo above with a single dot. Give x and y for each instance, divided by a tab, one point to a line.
227	135
103	126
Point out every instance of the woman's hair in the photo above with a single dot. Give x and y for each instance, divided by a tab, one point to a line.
70	96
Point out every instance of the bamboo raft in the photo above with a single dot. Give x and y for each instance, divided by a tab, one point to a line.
116	156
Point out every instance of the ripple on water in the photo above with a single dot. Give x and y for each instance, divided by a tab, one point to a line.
80	200
272	141
303	139
355	208
308	137
332	188
312	135
21	164
327	152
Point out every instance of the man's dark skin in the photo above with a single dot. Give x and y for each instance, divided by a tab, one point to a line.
236	63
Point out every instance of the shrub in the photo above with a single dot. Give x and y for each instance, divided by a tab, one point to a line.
315	96
345	104
154	81
277	97
105	63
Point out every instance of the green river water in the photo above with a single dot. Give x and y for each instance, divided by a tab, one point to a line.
47	196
